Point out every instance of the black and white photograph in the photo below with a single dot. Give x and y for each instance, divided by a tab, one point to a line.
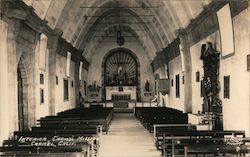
124	78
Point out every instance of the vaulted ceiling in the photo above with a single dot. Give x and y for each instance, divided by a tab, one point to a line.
87	23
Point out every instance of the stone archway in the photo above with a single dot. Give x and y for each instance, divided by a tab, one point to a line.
132	59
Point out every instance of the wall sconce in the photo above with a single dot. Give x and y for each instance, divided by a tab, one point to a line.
197	76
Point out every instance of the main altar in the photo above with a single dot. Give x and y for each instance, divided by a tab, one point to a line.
120	93
120	77
120	86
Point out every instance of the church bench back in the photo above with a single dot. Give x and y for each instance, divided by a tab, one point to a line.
206	146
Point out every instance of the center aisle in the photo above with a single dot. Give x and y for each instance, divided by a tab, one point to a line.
127	138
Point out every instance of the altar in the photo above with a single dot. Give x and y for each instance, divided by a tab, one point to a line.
120	93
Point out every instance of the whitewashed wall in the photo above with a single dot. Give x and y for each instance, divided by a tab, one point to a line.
61	104
175	68
236	110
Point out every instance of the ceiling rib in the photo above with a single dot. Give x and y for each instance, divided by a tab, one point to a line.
46	10
141	7
111	23
125	30
111	41
111	36
119	15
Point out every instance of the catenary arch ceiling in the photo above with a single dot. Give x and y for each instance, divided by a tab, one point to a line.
86	23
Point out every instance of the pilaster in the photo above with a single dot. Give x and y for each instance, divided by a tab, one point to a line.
184	42
4	110
53	41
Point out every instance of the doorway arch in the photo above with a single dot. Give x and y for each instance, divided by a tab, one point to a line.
22	93
115	61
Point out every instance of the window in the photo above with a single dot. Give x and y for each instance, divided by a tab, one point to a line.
177	85
172	82
72	84
80	71
66	89
197	76
226	30
43	52
41	79
227	87
68	64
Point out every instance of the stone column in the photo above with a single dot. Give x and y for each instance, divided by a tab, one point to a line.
182	34
52	47
4	110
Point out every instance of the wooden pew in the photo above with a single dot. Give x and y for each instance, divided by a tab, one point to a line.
214	146
30	150
160	129
86	117
45	141
86	131
159	115
176	141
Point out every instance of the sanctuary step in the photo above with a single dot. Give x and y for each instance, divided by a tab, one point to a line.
123	110
122	107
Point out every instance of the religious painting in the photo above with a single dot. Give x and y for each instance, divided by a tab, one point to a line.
66	89
41	96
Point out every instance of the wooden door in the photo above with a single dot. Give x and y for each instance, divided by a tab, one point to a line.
20	101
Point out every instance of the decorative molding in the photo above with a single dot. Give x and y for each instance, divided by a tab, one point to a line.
166	55
206	22
17	14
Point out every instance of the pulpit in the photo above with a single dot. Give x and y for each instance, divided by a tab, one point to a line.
212	104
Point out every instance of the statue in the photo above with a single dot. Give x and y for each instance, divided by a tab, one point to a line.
147	86
121	76
119	70
94	87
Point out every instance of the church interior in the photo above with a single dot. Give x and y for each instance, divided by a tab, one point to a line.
124	78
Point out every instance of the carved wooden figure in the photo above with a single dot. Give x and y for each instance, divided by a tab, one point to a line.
211	101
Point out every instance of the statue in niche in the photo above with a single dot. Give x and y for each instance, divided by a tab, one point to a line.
121	76
147	84
120	73
94	87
